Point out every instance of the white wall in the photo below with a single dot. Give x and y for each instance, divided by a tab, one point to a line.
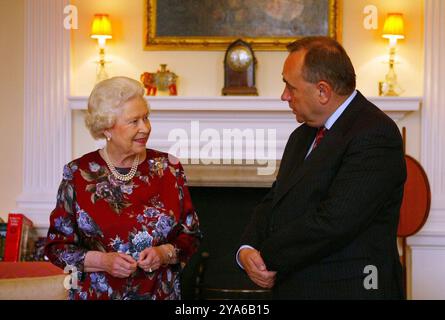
11	103
369	53
201	72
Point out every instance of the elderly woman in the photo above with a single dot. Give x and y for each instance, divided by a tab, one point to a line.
124	217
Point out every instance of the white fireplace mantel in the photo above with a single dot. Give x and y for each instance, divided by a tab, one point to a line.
252	118
396	107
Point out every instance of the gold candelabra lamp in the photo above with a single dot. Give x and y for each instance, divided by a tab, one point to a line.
101	30
393	30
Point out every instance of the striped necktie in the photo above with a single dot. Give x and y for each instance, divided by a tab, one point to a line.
320	135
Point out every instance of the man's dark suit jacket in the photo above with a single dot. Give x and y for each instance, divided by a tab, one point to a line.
332	214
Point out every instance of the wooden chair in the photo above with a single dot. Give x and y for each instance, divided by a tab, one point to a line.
415	205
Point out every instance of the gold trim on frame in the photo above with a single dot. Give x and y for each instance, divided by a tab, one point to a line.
152	42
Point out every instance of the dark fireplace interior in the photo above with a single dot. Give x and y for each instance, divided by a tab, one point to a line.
212	273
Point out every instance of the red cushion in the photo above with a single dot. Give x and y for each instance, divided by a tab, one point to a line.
10	270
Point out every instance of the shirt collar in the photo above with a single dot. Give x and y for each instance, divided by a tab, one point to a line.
331	120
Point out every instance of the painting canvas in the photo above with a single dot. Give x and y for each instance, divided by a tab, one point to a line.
210	24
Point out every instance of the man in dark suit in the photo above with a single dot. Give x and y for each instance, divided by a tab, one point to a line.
328	227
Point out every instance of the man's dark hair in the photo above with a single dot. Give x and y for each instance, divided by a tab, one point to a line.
325	59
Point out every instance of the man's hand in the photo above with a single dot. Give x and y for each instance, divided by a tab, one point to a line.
256	269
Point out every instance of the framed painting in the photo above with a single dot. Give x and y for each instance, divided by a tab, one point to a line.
213	25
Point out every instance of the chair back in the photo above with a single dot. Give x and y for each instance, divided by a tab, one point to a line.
416	199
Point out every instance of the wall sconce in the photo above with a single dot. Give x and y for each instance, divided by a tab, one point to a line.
393	30
101	30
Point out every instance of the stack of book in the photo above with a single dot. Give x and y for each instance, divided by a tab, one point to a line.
20	238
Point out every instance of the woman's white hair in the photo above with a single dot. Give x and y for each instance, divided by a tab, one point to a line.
105	103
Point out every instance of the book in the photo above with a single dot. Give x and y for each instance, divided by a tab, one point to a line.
20	237
3	227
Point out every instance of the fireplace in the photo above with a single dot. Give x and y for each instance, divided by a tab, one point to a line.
224	212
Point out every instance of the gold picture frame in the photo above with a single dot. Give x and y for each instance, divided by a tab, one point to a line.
154	39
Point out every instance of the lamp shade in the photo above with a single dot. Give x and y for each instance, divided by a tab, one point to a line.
394	27
101	27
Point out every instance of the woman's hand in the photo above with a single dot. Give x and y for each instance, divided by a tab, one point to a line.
119	265
152	258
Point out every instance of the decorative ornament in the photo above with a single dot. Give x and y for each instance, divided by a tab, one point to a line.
162	80
239	70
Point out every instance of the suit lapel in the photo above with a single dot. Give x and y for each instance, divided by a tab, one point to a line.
298	149
292	166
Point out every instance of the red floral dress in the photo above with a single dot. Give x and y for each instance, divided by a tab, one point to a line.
95	211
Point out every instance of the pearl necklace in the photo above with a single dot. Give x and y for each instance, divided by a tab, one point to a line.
116	174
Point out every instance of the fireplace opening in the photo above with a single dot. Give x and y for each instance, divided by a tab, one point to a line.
212	272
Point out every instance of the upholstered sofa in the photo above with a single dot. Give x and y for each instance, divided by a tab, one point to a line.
31	281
